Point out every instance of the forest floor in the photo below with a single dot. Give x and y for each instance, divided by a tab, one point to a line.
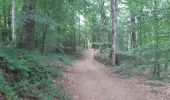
90	80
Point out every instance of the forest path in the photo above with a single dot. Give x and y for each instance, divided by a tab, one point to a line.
89	80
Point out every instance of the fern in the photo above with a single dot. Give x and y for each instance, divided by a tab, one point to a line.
28	75
5	88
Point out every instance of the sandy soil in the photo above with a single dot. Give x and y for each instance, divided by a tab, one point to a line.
89	80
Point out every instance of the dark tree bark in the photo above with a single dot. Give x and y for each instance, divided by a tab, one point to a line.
45	27
28	29
43	39
157	42
133	31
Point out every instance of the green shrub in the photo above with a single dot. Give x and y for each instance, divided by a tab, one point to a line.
5	88
154	83
66	59
155	89
29	75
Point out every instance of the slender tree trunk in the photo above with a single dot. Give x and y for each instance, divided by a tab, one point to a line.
43	39
5	22
140	31
114	6
74	39
156	41
1	32
139	22
103	35
79	38
133	31
13	23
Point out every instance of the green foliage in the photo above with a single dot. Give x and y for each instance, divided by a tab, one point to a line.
150	39
101	43
32	79
67	25
5	88
155	89
155	83
66	59
13	59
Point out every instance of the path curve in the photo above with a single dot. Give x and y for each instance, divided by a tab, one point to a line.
89	80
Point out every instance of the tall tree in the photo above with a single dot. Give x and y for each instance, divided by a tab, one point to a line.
156	40
28	29
114	7
13	22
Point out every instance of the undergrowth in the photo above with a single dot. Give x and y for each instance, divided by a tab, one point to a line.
28	76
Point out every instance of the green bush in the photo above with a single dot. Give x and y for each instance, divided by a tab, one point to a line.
66	59
26	75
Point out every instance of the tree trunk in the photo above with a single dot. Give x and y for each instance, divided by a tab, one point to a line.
114	6
79	38
133	31
43	39
45	28
28	29
156	41
4	35
13	23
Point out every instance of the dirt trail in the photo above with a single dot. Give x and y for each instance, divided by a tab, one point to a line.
89	80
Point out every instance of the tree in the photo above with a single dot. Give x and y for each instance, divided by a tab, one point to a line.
13	22
27	40
114	6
